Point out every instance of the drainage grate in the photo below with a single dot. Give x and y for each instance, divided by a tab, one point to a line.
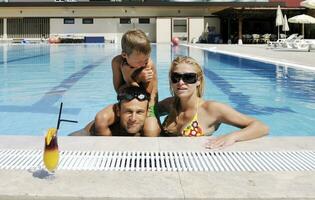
165	161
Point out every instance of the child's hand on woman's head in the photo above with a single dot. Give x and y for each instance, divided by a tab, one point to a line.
220	142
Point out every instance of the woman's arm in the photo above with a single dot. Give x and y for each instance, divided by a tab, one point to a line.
250	128
165	106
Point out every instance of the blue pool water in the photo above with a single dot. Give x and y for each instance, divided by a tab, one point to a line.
36	78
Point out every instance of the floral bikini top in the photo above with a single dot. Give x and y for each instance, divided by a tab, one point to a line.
193	128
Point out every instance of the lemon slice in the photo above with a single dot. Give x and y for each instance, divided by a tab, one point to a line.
51	133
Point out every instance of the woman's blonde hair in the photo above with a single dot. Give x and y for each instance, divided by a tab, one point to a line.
195	66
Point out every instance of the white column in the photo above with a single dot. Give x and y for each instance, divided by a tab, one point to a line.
5	35
163	30
196	27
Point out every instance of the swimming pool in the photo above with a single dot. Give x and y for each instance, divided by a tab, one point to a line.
36	78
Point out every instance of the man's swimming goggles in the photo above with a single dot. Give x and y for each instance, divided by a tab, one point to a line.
131	96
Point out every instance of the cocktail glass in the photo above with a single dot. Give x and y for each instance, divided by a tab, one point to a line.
51	152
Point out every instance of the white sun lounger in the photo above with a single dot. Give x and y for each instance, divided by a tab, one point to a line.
281	42
295	45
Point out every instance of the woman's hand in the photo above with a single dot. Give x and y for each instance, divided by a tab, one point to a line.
250	128
221	141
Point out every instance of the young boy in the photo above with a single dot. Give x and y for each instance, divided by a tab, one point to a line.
133	67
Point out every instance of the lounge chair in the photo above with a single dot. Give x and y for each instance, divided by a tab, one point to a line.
303	45
265	38
256	38
281	42
247	39
17	40
298	44
283	36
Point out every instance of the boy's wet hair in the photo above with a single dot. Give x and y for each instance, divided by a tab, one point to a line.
133	92
135	40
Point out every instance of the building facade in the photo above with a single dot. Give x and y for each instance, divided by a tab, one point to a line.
161	20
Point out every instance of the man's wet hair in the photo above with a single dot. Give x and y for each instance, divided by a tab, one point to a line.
133	92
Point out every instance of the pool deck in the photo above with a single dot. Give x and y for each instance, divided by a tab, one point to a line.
19	184
299	59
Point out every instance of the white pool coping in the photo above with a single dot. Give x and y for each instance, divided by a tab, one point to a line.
263	54
19	184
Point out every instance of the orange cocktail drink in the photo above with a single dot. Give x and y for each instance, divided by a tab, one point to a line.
51	152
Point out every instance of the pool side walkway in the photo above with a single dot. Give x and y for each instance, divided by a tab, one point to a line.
300	59
19	184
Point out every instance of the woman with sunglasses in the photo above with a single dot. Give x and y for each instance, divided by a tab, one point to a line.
190	115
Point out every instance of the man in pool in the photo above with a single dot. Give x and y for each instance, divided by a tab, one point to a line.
130	114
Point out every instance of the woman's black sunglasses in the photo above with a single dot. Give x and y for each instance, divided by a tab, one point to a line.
131	96
189	78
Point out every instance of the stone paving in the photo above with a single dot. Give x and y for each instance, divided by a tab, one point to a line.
301	59
71	184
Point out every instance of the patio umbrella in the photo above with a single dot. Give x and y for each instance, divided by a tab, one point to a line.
302	19
285	26
206	28
279	19
308	4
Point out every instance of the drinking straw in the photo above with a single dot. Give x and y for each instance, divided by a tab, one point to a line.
63	120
